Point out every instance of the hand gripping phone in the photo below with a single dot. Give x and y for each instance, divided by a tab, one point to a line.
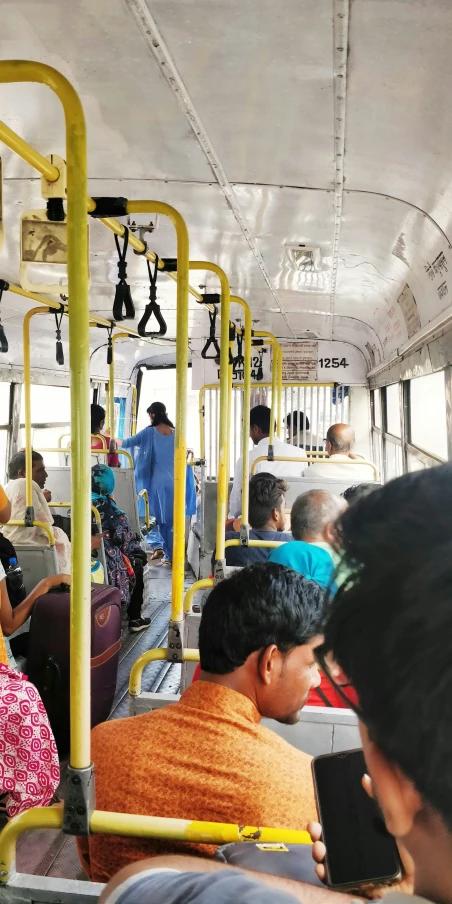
359	849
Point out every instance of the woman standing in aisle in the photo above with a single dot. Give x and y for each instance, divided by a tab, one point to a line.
154	472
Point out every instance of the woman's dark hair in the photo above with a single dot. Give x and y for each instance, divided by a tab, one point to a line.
257	606
158	415
97	416
390	627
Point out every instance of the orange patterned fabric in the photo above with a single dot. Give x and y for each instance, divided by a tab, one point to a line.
3	653
205	757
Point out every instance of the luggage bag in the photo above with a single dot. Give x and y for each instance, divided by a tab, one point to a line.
48	659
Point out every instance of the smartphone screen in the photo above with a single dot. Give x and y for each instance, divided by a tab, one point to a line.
359	847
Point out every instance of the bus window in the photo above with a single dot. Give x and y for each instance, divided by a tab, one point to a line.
428	414
5	395
393	410
50	417
393	460
377	408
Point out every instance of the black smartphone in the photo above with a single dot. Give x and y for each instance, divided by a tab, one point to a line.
359	849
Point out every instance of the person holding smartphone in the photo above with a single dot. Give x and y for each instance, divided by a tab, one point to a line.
390	631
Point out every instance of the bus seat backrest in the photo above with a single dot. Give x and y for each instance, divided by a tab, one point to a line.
320	730
36	562
126	496
59	483
299	485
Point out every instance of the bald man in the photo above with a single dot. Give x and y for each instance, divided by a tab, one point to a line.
312	551
340	440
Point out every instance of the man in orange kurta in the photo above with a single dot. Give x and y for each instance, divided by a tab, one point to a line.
207	757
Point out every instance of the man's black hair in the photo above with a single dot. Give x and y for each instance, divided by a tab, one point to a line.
293	418
255	607
390	627
359	491
260	417
97	416
266	493
18	463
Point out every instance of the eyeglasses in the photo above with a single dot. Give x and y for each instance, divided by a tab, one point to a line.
343	689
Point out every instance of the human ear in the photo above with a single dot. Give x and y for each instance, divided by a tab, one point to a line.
396	795
267	663
329	533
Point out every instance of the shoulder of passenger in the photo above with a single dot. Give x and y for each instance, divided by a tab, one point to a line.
292	755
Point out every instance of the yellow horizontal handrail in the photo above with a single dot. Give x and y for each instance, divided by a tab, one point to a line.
137	826
123	452
45	527
61	438
156	655
304	459
266	544
104	441
52	174
94	319
203	584
266	385
145	495
94	510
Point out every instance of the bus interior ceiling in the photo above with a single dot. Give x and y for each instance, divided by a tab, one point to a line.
323	124
307	146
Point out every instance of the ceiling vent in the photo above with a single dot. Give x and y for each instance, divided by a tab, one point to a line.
308	334
302	258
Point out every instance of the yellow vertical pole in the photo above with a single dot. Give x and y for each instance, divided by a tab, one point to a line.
133	429
223	439
180	446
202	442
107	407
280	373
111	394
247	350
230	382
274	393
276	376
77	245
27	401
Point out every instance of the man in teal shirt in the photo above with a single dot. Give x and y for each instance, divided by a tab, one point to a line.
311	551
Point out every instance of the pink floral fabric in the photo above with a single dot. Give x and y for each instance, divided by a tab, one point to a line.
29	767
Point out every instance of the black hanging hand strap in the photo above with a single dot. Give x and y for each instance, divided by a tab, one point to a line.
152	309
4	286
123	297
212	339
110	345
260	370
59	344
239	360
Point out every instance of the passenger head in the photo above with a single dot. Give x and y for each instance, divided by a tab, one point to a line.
259	423
17	468
314	515
102	480
340	439
295	421
157	414
390	631
267	504
97	419
258	632
352	494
